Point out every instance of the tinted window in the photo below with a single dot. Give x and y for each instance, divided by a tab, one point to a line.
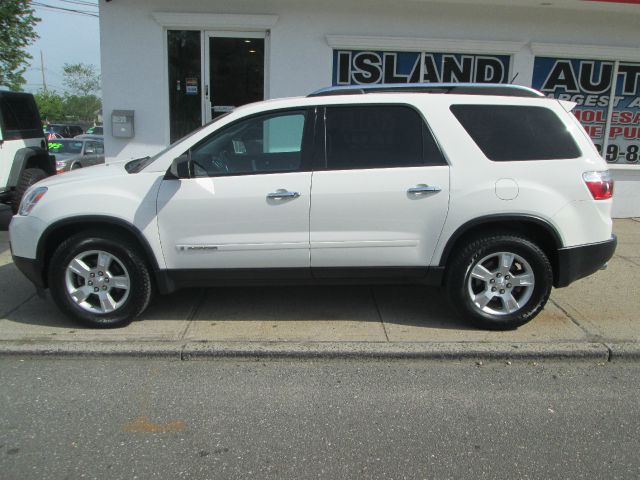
271	143
507	132
20	117
378	137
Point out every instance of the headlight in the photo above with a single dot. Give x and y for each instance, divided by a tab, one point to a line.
30	200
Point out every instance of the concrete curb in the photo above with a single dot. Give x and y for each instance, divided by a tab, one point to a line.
624	351
316	350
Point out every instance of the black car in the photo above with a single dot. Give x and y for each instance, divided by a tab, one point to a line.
58	130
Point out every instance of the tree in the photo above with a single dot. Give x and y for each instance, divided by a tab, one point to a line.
17	31
51	105
81	79
82	108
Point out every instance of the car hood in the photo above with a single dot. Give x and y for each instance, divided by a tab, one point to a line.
106	170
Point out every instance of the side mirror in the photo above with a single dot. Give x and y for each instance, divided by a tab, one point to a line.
179	168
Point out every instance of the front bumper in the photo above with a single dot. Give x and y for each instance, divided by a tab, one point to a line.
32	269
578	262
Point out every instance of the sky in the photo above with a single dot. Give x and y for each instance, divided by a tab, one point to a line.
65	37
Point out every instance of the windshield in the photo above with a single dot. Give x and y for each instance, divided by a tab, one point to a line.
65	146
134	166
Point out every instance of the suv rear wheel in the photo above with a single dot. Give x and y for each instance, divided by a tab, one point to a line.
500	282
99	279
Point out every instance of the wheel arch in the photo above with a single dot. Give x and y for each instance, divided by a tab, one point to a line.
30	157
59	231
536	229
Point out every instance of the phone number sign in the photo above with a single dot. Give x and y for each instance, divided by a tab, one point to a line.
591	85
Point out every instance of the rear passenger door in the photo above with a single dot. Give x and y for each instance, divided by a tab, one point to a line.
380	194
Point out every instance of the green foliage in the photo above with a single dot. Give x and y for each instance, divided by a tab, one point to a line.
56	108
82	107
50	105
81	79
17	31
80	103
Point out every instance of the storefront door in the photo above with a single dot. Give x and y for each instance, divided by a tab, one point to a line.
234	71
211	73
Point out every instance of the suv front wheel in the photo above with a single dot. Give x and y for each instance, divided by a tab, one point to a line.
99	279
499	282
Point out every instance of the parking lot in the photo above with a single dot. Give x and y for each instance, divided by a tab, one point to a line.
598	313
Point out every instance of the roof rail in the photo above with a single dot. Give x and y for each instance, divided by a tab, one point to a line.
499	89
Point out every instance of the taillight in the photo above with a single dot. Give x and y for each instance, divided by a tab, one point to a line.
600	184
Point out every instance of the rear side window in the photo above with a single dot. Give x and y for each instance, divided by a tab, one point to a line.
19	117
378	136
510	133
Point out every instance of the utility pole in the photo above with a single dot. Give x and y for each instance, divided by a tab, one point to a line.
44	81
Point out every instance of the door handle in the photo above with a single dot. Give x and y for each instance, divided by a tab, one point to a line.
422	188
282	193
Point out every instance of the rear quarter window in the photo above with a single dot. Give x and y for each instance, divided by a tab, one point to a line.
512	133
19	117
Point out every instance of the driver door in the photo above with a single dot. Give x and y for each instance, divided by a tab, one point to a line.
247	202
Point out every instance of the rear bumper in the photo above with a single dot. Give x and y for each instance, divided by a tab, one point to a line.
578	262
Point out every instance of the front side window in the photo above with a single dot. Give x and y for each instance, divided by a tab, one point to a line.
378	136
265	144
512	132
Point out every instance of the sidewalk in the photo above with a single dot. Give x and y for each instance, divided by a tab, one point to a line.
596	317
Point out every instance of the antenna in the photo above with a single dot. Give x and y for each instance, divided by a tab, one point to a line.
514	77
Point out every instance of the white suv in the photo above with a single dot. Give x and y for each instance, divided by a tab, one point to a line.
493	191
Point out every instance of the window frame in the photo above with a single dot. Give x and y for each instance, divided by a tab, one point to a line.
321	160
306	147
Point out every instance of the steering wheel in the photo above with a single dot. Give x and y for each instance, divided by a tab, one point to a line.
221	162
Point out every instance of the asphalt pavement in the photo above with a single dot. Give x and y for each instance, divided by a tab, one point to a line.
596	317
331	419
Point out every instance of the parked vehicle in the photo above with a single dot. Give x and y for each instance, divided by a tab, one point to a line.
24	159
493	191
56	130
72	154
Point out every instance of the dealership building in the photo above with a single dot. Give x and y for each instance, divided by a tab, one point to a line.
169	67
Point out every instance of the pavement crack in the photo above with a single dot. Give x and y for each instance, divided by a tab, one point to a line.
6	314
573	319
194	312
375	303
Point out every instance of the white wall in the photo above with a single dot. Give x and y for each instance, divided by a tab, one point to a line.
134	64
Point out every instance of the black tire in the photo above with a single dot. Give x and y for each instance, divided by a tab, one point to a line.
29	177
500	313
76	166
129	263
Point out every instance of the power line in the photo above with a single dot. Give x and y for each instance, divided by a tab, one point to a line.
80	2
65	10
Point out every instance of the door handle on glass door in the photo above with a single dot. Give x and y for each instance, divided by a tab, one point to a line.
422	188
282	193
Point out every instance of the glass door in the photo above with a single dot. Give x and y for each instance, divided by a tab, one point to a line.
234	69
185	85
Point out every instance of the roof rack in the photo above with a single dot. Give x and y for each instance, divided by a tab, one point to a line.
499	89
